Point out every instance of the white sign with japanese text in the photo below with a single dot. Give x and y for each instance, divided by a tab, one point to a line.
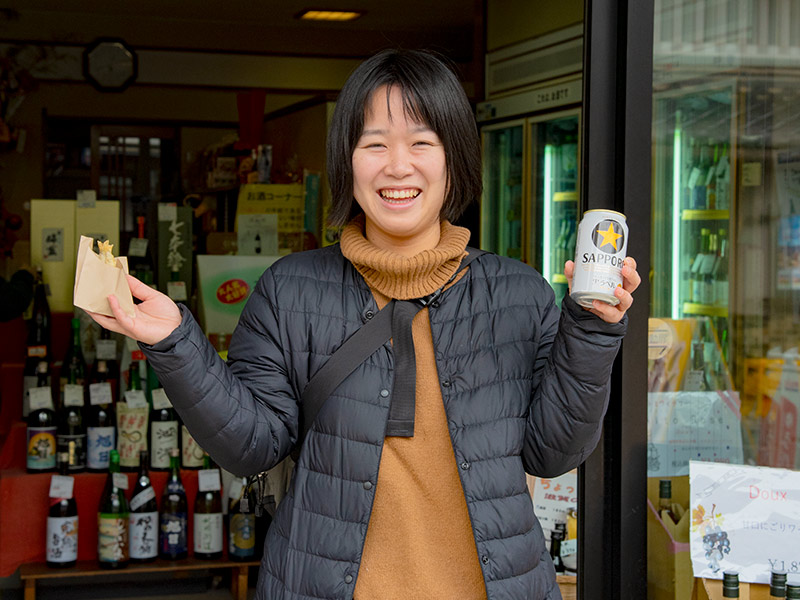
744	518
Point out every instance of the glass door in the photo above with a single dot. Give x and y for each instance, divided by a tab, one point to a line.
724	328
552	229
503	203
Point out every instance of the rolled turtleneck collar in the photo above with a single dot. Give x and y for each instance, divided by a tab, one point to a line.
404	277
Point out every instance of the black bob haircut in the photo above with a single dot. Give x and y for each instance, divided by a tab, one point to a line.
431	95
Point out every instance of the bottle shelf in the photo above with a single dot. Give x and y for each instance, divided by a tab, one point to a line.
705	215
708	310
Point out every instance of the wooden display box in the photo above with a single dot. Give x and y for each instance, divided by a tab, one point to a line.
669	565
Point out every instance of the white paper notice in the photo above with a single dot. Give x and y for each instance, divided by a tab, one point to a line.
135	399
160	399
61	486
40	397
744	518
258	235
120	480
73	395
100	393
208	480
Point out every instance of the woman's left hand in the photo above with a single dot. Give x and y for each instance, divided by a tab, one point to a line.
630	281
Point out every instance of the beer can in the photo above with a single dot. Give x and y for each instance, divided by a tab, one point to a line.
599	254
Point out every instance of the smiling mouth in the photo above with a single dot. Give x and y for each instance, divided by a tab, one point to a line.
399	196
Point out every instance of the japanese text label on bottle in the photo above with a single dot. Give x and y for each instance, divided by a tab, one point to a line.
143	533
62	539
41	448
208	533
99	441
112	538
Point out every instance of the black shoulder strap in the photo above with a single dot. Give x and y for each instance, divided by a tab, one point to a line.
355	350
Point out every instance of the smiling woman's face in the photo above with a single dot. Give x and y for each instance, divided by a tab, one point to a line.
399	177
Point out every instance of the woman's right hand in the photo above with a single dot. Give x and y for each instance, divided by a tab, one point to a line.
155	317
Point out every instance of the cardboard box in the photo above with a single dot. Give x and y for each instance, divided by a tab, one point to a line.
669	564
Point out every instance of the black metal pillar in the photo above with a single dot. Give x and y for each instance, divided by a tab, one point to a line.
616	158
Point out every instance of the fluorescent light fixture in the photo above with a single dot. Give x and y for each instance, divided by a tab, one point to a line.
676	224
547	212
330	15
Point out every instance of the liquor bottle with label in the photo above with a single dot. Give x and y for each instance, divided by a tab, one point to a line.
143	522
556	537
173	520
163	430
722	173
777	585
191	452
132	422
62	523
720	273
665	500
241	521
140	258
208	513
112	518
71	435
107	351
730	584
42	428
711	181
38	344
74	366
696	276
101	427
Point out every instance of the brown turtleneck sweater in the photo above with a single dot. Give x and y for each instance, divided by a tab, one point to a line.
419	540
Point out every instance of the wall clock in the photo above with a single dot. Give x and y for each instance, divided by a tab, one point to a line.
110	65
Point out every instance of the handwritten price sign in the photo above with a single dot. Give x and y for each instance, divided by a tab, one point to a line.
744	518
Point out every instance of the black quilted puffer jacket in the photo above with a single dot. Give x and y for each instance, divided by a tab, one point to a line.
525	388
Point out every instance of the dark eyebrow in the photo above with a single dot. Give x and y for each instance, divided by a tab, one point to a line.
417	129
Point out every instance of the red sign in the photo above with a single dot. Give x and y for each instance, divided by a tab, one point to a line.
232	291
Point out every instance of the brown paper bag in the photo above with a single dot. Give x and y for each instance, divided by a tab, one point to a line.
95	280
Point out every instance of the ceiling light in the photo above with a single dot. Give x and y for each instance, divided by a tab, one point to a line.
330	15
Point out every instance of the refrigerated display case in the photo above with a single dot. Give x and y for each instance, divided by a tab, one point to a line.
726	228
530	206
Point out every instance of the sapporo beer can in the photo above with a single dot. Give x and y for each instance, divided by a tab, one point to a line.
599	254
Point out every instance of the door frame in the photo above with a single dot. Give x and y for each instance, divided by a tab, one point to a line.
615	168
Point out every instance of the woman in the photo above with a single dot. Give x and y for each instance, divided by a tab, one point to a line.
436	507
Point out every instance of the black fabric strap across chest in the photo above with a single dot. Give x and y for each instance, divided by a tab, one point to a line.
393	322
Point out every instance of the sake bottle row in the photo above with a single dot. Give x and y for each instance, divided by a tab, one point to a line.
133	528
89	421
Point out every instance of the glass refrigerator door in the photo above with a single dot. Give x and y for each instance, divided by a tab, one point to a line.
554	190
691	220
502	205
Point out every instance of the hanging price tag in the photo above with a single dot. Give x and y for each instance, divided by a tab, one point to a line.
135	399
235	489
106	349
569	547
160	399
120	480
177	290
138	247
61	486
167	212
100	393
40	397
73	395
208	480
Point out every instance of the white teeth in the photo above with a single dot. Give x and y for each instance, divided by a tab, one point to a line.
395	195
